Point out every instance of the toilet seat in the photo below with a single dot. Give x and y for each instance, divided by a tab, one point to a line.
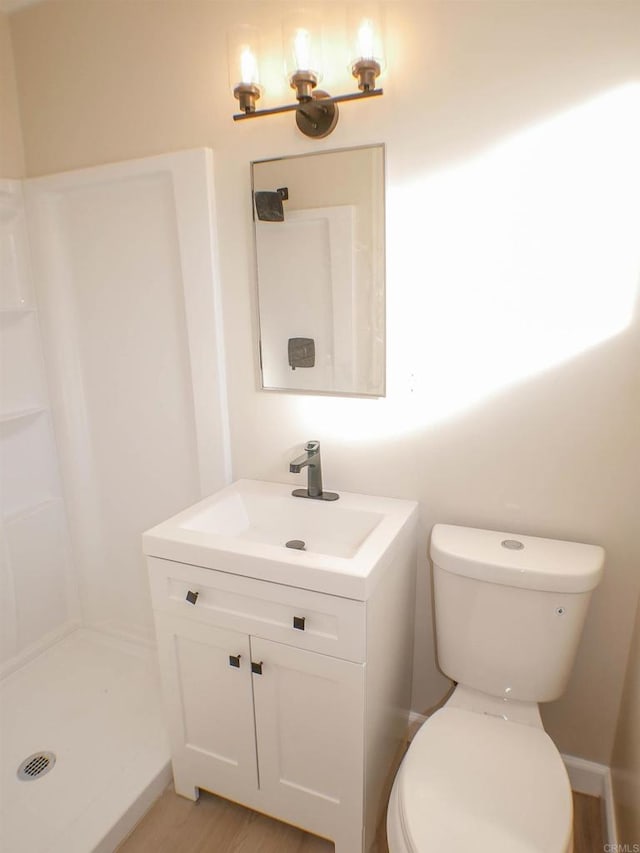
472	781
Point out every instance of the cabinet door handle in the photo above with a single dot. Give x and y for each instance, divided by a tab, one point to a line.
298	622
192	597
256	668
234	660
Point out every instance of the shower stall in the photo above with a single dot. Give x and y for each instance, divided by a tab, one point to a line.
112	417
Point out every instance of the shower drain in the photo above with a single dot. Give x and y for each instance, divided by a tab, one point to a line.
36	765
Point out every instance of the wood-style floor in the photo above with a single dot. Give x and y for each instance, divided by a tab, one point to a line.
588	835
214	825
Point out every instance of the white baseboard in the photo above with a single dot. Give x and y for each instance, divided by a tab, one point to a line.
586	777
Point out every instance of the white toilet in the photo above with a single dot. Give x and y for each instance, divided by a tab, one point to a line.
481	774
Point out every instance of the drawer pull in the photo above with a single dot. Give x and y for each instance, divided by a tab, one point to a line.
192	597
298	622
234	660
256	668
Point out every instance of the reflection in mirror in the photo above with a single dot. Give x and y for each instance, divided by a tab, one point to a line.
319	230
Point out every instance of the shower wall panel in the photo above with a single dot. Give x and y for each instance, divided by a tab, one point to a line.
38	595
125	260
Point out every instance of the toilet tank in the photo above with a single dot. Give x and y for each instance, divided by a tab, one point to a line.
510	609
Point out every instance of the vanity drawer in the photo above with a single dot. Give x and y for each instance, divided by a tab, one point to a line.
298	617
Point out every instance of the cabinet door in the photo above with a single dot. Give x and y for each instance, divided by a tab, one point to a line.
210	706
309	726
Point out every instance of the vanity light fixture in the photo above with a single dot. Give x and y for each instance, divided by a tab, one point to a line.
316	110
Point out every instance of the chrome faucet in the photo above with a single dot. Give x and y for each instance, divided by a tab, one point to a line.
311	460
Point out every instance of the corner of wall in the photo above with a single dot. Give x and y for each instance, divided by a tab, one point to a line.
625	762
12	163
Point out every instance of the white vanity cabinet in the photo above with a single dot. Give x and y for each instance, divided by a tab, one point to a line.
289	701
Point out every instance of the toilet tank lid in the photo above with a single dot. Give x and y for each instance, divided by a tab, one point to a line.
511	559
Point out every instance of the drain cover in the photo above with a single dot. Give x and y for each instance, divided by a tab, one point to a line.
512	544
36	765
297	544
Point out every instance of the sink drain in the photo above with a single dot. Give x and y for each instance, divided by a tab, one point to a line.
296	544
36	765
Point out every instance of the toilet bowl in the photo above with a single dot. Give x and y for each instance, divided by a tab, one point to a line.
475	782
481	774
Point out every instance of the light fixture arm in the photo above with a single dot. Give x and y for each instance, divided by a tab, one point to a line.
288	108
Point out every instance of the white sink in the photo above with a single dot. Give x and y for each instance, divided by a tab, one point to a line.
259	515
244	529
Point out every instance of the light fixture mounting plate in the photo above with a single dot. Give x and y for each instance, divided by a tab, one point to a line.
319	116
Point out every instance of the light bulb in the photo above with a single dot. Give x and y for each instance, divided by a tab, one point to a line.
365	39
302	50
248	65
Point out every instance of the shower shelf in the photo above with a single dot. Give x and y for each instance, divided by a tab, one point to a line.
28	511
8	417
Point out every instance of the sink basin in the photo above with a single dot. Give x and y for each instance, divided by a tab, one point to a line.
258	515
245	528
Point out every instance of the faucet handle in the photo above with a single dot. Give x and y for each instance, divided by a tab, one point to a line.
312	445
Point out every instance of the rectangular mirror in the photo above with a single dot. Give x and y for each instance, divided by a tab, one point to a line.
319	236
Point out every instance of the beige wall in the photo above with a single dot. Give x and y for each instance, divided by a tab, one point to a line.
626	754
11	153
513	339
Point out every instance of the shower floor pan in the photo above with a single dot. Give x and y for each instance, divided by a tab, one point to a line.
94	702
